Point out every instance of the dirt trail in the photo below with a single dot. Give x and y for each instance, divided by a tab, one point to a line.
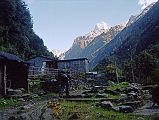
147	109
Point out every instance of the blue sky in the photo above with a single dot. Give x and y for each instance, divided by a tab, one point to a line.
59	22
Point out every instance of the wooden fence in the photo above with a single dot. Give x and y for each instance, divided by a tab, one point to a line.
38	72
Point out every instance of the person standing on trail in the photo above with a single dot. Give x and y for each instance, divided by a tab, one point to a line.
63	81
155	96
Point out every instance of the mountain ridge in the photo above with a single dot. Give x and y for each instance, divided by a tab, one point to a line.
131	37
80	43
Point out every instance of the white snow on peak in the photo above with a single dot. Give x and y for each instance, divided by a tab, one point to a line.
101	26
57	52
145	3
83	41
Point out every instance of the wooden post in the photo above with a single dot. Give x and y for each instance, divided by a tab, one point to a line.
5	80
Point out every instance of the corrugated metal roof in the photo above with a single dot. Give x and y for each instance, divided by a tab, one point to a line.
9	56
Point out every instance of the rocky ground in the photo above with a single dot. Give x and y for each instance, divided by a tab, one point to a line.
126	99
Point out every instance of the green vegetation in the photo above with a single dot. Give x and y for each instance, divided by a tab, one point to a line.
8	102
119	86
147	65
34	85
114	96
16	31
89	111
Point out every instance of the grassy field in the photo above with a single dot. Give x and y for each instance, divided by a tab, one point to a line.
89	111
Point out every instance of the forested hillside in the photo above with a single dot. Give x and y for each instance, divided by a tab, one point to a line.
16	31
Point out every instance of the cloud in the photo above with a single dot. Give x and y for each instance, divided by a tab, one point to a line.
145	3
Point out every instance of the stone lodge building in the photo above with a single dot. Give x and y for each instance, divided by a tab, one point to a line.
74	65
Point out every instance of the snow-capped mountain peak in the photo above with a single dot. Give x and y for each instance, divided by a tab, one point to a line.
83	41
101	26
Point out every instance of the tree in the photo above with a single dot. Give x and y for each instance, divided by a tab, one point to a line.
145	64
16	30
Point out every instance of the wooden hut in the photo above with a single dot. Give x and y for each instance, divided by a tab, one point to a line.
13	72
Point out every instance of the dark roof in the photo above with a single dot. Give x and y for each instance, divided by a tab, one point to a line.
8	56
41	57
72	59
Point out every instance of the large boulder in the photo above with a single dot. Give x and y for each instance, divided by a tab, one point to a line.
124	109
133	104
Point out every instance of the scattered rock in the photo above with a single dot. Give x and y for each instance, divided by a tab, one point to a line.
88	95
15	96
123	95
26	107
111	92
115	108
10	91
98	88
18	91
41	93
110	83
125	109
15	93
26	95
34	95
140	118
101	96
124	99
16	118
21	100
130	89
23	90
133	94
146	94
133	104
106	104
